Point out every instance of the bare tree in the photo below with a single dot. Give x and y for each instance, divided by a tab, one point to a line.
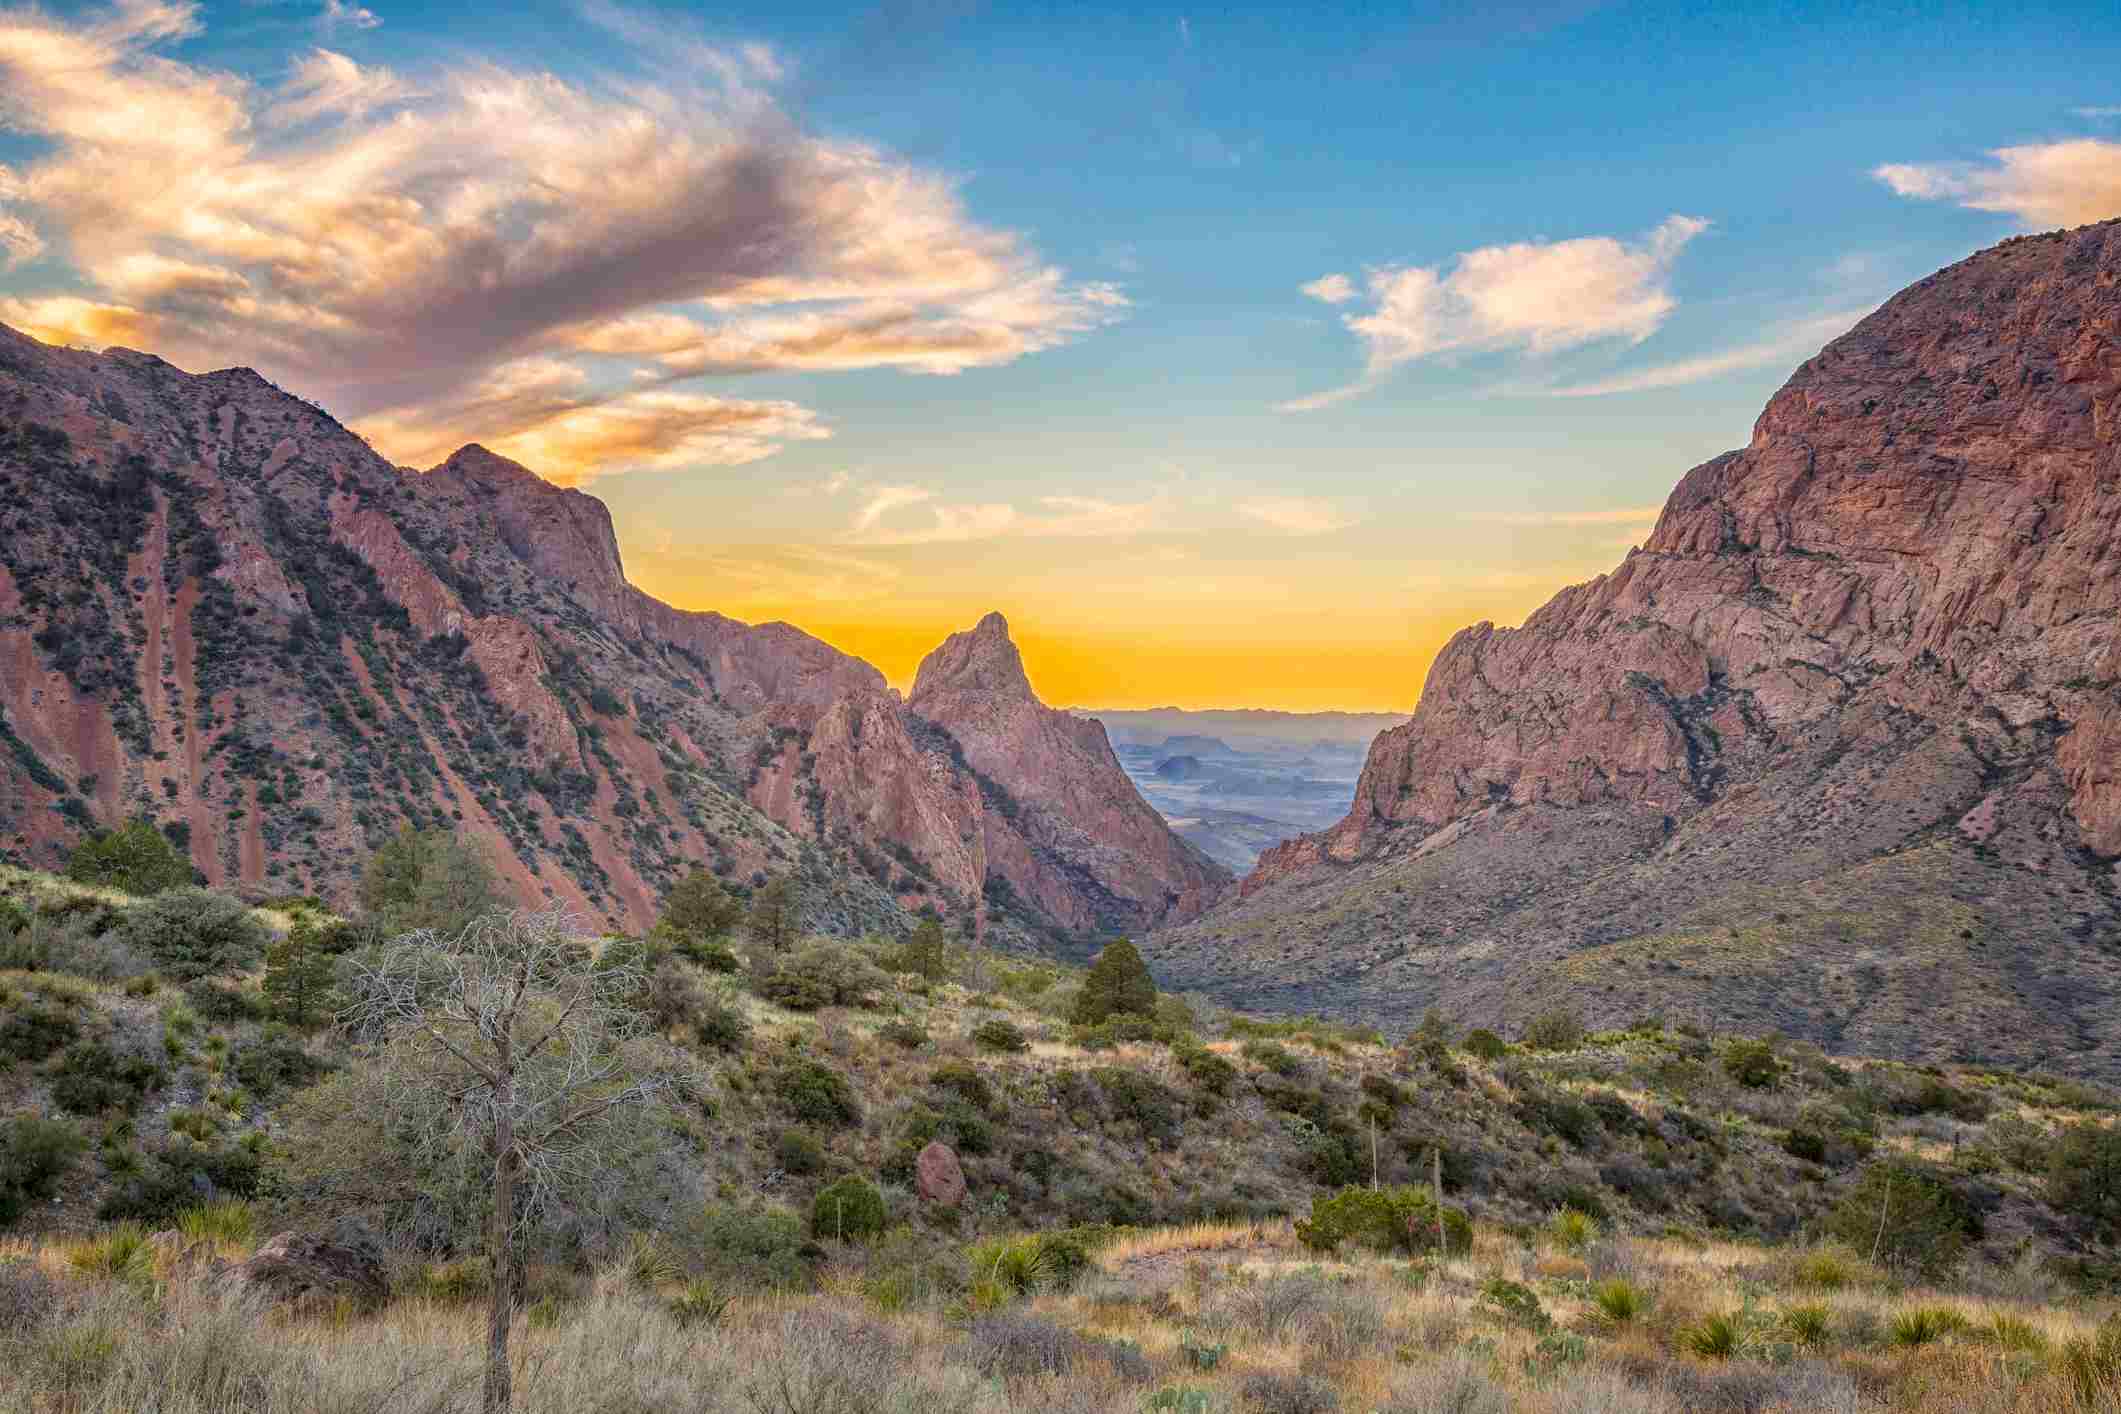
508	1044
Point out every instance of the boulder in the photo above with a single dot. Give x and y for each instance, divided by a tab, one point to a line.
938	1177
315	1269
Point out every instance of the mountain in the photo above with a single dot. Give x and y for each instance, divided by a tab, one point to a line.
1247	729
1836	752
221	609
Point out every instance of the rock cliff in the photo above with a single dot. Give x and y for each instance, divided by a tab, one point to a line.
1881	643
222	610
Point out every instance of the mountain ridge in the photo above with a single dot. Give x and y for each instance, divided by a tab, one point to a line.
221	609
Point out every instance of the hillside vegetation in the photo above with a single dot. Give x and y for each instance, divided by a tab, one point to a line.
1166	1205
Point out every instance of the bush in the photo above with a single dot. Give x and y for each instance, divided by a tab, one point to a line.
757	1247
2084	1175
1916	1220
1752	1064
1619	1300
819	1095
1924	1324
823	974
899	1032
1000	1035
195	933
924	954
850	1208
272	1064
1485	1044
1211	1072
1031	1262
964	1081
1804	1144
1273	1056
1117	984
136	859
91	1078
798	1152
698	909
1559	1029
1272	1393
1153	1108
223	1004
1712	1337
179	1175
719	1022
1400	1219
35	1153
30	1031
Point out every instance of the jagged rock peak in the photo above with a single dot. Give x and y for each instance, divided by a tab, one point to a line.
561	531
982	659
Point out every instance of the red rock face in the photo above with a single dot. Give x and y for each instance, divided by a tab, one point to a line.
1065	827
1926	522
221	609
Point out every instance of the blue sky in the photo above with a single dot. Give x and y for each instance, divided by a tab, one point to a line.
1049	348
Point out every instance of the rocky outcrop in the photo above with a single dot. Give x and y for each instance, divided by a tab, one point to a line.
1064	826
314	1272
220	609
938	1178
1882	641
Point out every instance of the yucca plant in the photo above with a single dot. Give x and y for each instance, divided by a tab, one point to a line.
2017	1333
1619	1300
1807	1323
699	1303
124	1253
1572	1229
229	1220
1022	1265
1712	1338
648	1263
1925	1324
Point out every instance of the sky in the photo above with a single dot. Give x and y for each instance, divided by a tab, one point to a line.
1238	355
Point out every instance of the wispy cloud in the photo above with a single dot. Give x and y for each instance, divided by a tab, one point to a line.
1795	341
1534	297
2043	184
1295	515
937	521
2099	112
1614	515
1333	289
338	12
394	244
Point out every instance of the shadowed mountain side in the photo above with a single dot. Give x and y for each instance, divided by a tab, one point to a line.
1837	751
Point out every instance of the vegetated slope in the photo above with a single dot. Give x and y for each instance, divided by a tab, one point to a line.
1837	752
221	609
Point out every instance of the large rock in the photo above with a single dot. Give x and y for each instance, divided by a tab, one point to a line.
313	1271
1728	779
938	1177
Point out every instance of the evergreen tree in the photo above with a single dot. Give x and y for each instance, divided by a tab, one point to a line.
1117	984
136	858
428	879
298	974
924	953
776	914
698	909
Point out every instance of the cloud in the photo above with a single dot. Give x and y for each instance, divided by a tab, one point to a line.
1333	289
19	242
1535	297
541	412
1053	517
337	12
1619	515
397	245
2098	112
1797	341
1295	515
2045	184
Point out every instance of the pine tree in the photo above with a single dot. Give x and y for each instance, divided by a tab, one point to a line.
924	953
698	909
299	974
776	913
1117	984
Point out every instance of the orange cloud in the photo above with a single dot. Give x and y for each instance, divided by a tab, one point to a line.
399	246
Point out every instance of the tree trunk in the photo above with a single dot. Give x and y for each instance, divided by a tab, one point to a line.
500	1258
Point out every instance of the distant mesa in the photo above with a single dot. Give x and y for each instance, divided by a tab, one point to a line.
1198	746
1179	768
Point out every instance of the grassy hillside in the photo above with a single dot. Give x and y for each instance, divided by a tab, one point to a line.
1159	1163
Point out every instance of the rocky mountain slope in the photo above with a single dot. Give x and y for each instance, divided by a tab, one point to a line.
1837	751
220	608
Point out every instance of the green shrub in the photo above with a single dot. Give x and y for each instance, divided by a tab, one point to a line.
1558	1029
1913	1218
1121	1030
1485	1044
1572	1229
1712	1337
300	981
818	1095
1000	1035
911	1035
135	858
1515	1303
177	1175
823	974
755	1247
697	910
91	1078
1751	1063
798	1151
222	1003
963	1080
850	1208
195	933
31	1031
1807	1323
1211	1072
1924	1324
1399	1219
924	955
274	1063
1117	984
35	1153
1154	1108
1804	1144
1619	1300
2084	1175
1273	1056
719	1022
